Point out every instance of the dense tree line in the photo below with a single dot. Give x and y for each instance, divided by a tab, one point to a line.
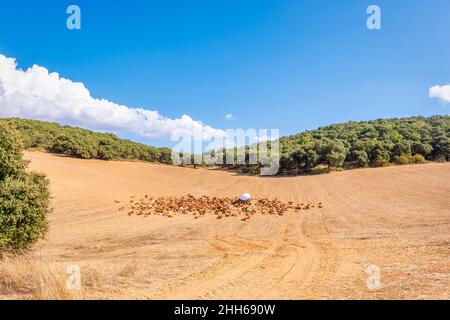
348	145
375	143
24	196
85	144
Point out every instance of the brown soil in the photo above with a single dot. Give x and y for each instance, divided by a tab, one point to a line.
397	218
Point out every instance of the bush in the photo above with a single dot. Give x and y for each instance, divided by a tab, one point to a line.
311	159
361	158
24	197
11	163
333	152
405	159
418	158
381	161
73	146
24	203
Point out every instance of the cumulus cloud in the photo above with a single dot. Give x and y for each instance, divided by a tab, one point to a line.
35	93
441	92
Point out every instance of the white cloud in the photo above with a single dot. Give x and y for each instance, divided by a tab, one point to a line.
35	93
230	117
441	92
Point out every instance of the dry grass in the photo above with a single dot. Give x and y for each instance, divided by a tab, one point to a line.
26	277
31	277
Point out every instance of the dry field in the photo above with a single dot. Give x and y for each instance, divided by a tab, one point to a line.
397	218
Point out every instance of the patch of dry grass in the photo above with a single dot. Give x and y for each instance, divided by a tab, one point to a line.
25	277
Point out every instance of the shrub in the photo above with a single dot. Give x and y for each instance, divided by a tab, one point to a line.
336	158
24	197
381	161
311	159
401	149
73	146
334	153
418	158
24	203
405	159
361	157
11	162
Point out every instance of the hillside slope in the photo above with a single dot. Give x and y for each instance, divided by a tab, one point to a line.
396	218
82	143
376	143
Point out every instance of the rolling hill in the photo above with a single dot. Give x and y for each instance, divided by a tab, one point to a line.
376	143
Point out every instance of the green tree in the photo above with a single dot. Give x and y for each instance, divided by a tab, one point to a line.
335	153
11	162
311	159
24	203
361	157
24	197
421	148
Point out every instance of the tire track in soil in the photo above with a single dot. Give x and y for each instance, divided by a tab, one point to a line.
236	270
258	267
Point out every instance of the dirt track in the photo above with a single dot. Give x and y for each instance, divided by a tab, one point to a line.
397	218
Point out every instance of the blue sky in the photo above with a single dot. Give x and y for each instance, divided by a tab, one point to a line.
286	64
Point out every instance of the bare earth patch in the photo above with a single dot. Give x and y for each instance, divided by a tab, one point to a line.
396	218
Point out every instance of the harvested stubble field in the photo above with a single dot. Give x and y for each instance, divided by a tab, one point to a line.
397	218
